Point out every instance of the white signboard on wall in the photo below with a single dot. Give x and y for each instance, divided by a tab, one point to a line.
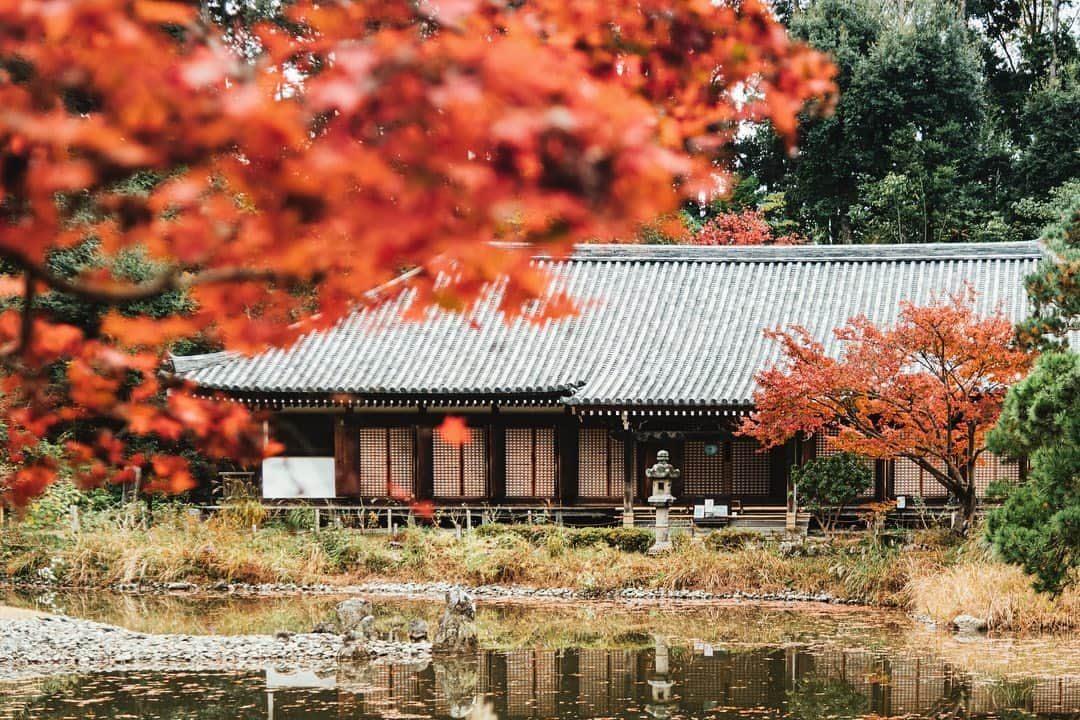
298	477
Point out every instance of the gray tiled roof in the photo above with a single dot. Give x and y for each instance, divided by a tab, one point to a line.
662	325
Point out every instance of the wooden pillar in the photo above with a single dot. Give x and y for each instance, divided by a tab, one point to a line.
888	474
424	482
346	456
781	460
567	445
497	459
881	480
629	481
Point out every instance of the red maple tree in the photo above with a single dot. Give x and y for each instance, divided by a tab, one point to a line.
927	389
321	156
746	227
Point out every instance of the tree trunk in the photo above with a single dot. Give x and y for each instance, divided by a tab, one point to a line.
965	517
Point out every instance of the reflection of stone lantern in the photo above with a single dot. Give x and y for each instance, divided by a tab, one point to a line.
660	683
662	474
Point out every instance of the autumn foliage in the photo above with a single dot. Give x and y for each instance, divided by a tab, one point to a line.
927	389
306	161
746	227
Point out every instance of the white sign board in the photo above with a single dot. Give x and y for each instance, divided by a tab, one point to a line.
298	477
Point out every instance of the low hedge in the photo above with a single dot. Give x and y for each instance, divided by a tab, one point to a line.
731	539
626	539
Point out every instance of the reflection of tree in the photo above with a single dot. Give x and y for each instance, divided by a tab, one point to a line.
816	696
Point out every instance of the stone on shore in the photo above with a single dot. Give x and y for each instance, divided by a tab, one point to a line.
351	616
970	624
418	630
456	633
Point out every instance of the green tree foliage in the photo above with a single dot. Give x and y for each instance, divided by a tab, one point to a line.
1054	289
132	265
826	485
1038	524
956	121
1050	120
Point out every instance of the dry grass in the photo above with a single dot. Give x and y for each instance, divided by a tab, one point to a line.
941	582
1000	593
180	548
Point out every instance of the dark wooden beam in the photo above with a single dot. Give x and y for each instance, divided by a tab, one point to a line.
497	459
425	462
346	456
567	444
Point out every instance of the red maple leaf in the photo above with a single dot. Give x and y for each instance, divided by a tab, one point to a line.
453	430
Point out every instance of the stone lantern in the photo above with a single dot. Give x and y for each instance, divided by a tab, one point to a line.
660	683
662	474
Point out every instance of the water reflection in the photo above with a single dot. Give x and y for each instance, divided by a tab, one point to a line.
668	680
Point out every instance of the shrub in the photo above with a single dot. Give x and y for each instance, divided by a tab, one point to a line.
299	519
731	539
351	550
632	540
532	534
826	484
243	513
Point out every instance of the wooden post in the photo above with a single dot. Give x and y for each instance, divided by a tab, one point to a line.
567	444
346	457
629	481
497	459
318	519
425	457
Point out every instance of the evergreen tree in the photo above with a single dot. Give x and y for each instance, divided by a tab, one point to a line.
1038	525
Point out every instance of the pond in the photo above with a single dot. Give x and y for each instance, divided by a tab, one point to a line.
605	660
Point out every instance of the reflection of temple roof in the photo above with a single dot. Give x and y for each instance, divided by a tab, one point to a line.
661	325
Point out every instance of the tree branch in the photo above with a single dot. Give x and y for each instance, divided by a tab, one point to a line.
176	278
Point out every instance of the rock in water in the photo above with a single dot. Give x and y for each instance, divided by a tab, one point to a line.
418	630
353	650
351	614
456	633
969	624
367	628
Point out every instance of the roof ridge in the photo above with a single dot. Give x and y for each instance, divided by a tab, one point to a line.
908	252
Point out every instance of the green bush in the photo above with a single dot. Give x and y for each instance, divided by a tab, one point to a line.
347	549
625	539
532	534
300	519
826	484
727	539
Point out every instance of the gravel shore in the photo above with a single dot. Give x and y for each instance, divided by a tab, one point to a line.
438	590
56	644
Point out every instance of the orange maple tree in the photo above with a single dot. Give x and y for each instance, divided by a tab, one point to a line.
318	157
927	389
746	227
